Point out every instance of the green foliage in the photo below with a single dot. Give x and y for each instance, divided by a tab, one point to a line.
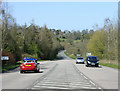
96	45
29	55
9	67
102	42
40	43
71	56
31	41
110	65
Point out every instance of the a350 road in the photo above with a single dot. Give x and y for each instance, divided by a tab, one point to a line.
62	74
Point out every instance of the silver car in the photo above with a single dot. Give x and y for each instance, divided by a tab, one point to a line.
79	60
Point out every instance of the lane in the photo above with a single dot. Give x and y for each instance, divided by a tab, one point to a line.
64	76
106	77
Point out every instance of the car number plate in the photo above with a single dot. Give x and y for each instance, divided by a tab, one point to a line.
93	63
27	65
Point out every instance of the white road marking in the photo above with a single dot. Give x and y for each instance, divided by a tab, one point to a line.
85	77
92	82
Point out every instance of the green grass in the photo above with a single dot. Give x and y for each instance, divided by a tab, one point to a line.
77	40
71	56
62	39
66	53
9	67
110	65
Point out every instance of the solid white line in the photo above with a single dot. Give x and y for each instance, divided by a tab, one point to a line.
37	86
92	82
99	88
53	87
85	77
81	73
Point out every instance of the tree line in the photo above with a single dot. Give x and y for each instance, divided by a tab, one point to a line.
32	41
101	42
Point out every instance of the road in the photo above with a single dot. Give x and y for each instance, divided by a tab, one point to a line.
62	74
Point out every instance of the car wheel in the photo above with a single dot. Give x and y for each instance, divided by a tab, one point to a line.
76	62
37	71
96	65
83	62
86	65
21	71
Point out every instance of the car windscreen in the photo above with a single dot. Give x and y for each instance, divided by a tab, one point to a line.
92	58
79	58
30	61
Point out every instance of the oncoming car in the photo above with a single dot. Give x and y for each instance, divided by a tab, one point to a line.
29	65
92	61
79	60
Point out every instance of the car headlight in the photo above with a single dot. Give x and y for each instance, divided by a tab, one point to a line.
89	62
97	62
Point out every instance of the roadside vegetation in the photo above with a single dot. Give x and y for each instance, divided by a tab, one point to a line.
7	67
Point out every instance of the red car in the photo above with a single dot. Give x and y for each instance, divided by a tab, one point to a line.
29	65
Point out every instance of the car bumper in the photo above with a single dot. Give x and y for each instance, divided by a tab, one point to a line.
28	68
79	61
93	64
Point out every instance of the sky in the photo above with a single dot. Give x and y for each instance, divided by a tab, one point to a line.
64	15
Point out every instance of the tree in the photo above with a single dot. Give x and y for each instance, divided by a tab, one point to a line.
96	45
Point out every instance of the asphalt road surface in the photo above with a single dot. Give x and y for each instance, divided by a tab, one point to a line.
62	74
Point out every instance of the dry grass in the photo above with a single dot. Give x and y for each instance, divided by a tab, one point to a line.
110	61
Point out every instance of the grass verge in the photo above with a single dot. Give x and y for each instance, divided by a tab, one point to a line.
9	67
71	56
110	65
6	68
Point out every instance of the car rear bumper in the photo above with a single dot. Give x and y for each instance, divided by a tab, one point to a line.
28	68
